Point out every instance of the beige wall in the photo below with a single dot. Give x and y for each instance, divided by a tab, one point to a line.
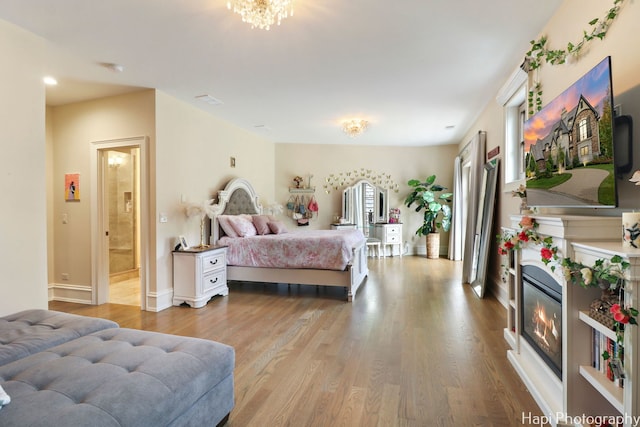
192	160
23	257
621	44
188	156
402	163
74	128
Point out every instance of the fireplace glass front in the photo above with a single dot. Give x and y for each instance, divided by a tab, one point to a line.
542	315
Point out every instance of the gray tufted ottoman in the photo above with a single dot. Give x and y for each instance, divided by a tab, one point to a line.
121	377
31	331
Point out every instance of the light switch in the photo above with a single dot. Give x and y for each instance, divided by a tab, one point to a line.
65	218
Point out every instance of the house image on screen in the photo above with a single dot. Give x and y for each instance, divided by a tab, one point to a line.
573	140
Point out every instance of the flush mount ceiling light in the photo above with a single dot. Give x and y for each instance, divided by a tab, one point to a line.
354	127
262	13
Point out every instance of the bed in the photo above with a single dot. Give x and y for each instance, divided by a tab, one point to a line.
306	257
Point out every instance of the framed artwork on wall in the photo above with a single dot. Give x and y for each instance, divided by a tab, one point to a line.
72	187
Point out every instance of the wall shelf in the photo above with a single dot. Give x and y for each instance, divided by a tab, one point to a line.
295	190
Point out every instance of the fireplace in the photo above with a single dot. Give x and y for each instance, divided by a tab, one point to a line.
541	300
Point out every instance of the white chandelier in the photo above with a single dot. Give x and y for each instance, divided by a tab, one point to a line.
262	13
354	127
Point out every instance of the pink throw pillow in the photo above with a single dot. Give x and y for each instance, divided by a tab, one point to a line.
223	221
243	226
277	227
261	224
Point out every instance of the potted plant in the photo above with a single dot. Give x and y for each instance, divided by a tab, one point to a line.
432	199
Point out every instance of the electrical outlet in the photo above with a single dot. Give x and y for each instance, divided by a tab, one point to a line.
65	276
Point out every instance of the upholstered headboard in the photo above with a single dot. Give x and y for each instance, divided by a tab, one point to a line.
238	197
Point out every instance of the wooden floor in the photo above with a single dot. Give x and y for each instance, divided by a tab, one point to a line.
125	292
415	348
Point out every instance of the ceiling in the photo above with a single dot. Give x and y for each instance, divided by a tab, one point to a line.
420	71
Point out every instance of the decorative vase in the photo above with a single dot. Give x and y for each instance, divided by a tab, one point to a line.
524	209
433	245
631	230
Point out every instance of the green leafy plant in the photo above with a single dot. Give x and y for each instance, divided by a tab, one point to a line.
541	53
433	201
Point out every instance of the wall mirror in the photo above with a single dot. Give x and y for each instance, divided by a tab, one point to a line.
484	228
365	204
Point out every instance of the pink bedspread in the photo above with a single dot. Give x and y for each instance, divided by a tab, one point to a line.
318	249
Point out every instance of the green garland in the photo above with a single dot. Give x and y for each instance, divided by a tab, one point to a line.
539	51
606	274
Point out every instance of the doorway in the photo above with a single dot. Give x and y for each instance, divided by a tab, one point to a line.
122	198
119	225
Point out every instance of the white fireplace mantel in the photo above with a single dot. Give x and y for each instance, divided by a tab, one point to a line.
573	394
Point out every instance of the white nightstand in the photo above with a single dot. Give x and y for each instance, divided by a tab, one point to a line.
389	234
198	275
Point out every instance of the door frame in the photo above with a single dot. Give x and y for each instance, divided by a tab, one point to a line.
100	217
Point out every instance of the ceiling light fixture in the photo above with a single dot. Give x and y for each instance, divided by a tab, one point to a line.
354	127
262	13
50	81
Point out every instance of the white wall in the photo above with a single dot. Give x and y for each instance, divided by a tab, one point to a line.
402	163
23	257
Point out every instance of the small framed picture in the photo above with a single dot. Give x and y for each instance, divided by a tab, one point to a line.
183	243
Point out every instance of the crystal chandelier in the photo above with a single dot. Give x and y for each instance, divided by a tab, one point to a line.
354	127
262	13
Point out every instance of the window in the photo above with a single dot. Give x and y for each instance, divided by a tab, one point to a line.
582	129
513	97
584	151
514	118
521	154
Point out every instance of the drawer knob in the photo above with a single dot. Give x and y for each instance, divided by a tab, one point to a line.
214	262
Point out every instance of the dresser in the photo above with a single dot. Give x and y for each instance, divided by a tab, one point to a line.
389	235
198	275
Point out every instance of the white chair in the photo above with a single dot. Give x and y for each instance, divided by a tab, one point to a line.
372	242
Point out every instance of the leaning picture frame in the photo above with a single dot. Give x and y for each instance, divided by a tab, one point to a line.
183	243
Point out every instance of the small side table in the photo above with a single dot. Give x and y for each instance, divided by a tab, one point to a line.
389	234
198	275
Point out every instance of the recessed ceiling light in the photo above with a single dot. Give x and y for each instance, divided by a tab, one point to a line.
50	81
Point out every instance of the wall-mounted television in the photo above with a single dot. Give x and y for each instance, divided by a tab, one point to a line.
569	155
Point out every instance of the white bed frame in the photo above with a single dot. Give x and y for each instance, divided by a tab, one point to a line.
351	278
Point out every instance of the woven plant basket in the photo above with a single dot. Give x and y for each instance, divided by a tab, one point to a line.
600	309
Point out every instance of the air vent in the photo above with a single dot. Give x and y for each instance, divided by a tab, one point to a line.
209	100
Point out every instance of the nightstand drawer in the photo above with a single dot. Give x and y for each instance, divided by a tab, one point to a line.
214	280
213	262
392	238
393	229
